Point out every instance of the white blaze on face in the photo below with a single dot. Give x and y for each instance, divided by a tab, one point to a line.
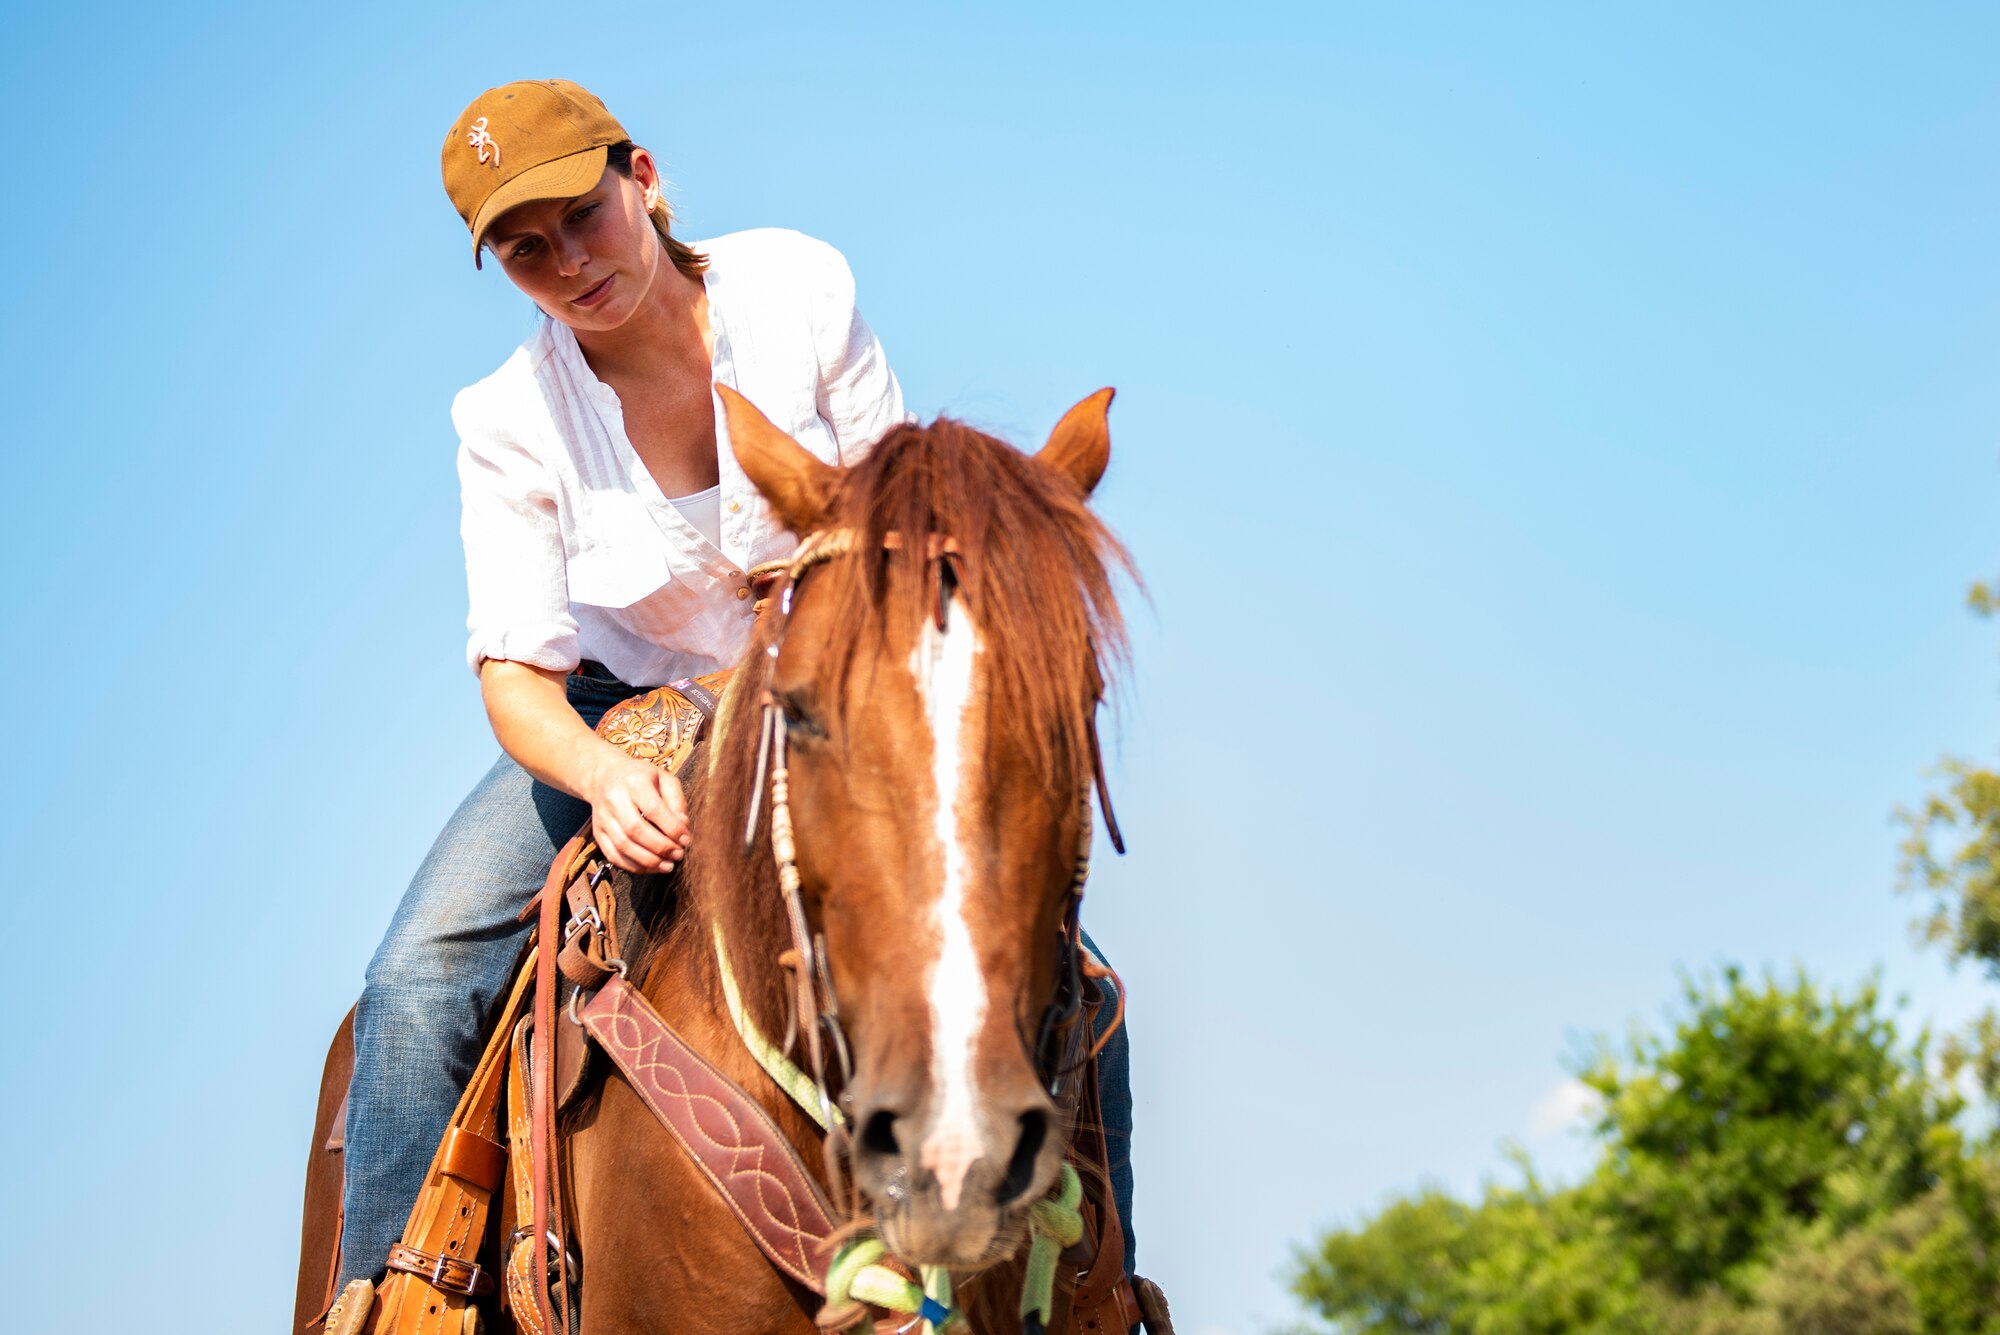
943	666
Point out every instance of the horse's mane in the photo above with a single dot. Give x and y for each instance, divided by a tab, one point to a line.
1034	569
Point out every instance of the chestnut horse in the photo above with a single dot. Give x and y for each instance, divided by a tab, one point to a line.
938	724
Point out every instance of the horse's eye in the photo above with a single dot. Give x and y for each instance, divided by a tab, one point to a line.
800	721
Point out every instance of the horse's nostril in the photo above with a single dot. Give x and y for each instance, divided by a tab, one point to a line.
878	1133
1021	1168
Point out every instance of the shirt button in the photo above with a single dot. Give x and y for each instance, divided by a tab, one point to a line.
742	593
734	506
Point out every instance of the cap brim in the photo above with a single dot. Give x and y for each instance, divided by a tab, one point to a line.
564	178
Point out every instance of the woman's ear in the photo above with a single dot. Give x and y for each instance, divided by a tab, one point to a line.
1080	446
795	482
646	175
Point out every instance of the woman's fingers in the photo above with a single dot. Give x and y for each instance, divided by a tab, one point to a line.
612	844
650	835
671	815
640	819
653	815
628	854
641	826
670	789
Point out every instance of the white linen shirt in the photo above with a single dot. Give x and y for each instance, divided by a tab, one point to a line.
571	549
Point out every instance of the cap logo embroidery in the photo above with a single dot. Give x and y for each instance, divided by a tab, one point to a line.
480	140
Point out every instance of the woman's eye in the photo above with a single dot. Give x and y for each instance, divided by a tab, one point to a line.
583	213
523	250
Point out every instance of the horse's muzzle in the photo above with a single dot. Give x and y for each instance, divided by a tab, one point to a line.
956	1195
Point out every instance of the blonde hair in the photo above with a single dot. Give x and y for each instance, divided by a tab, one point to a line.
685	257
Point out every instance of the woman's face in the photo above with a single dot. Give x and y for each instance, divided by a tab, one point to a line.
590	261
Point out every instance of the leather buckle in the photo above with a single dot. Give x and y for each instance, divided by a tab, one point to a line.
443	1275
450	1273
587	920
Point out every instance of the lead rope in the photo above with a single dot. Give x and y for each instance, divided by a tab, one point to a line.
1055	1222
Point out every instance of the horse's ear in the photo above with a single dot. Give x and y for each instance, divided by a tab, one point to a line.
795	482
1080	446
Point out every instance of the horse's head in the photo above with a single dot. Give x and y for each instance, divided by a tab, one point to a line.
937	675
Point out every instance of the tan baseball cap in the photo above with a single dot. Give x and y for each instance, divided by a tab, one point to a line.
535	139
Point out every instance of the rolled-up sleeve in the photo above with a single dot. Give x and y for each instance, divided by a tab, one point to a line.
858	394
515	574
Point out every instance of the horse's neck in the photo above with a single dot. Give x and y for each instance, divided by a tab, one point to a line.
685	986
658	1246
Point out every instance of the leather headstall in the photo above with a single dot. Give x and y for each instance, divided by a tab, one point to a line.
816	1008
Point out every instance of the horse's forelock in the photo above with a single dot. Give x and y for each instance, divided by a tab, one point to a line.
1035	568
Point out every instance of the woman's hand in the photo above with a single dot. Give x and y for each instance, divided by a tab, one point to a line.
638	813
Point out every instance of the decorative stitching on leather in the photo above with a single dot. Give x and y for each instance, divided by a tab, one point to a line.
642	1050
520	1286
635	1042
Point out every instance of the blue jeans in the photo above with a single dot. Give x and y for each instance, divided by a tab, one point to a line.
441	974
1114	1093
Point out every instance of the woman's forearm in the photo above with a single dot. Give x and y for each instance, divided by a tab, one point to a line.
638	813
533	721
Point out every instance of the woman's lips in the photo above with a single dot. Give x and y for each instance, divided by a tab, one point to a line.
594	295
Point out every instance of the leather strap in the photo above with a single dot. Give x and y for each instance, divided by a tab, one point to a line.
638	725
728	1134
469	1155
1102	1282
542	1084
439	1271
525	1257
1113	1314
590	949
1104	1303
698	694
440	1244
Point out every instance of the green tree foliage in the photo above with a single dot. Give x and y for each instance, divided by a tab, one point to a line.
1951	851
1951	855
1766	1109
1778	1162
1519	1261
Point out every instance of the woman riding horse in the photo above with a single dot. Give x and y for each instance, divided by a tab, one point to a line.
607	540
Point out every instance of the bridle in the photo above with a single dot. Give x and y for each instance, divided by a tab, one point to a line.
815	1010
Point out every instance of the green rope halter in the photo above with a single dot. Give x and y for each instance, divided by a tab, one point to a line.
1055	1222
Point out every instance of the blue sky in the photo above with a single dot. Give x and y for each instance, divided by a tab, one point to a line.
1556	440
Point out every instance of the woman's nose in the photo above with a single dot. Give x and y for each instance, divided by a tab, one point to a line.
570	257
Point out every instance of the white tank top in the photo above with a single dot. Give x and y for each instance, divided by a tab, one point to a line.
703	509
